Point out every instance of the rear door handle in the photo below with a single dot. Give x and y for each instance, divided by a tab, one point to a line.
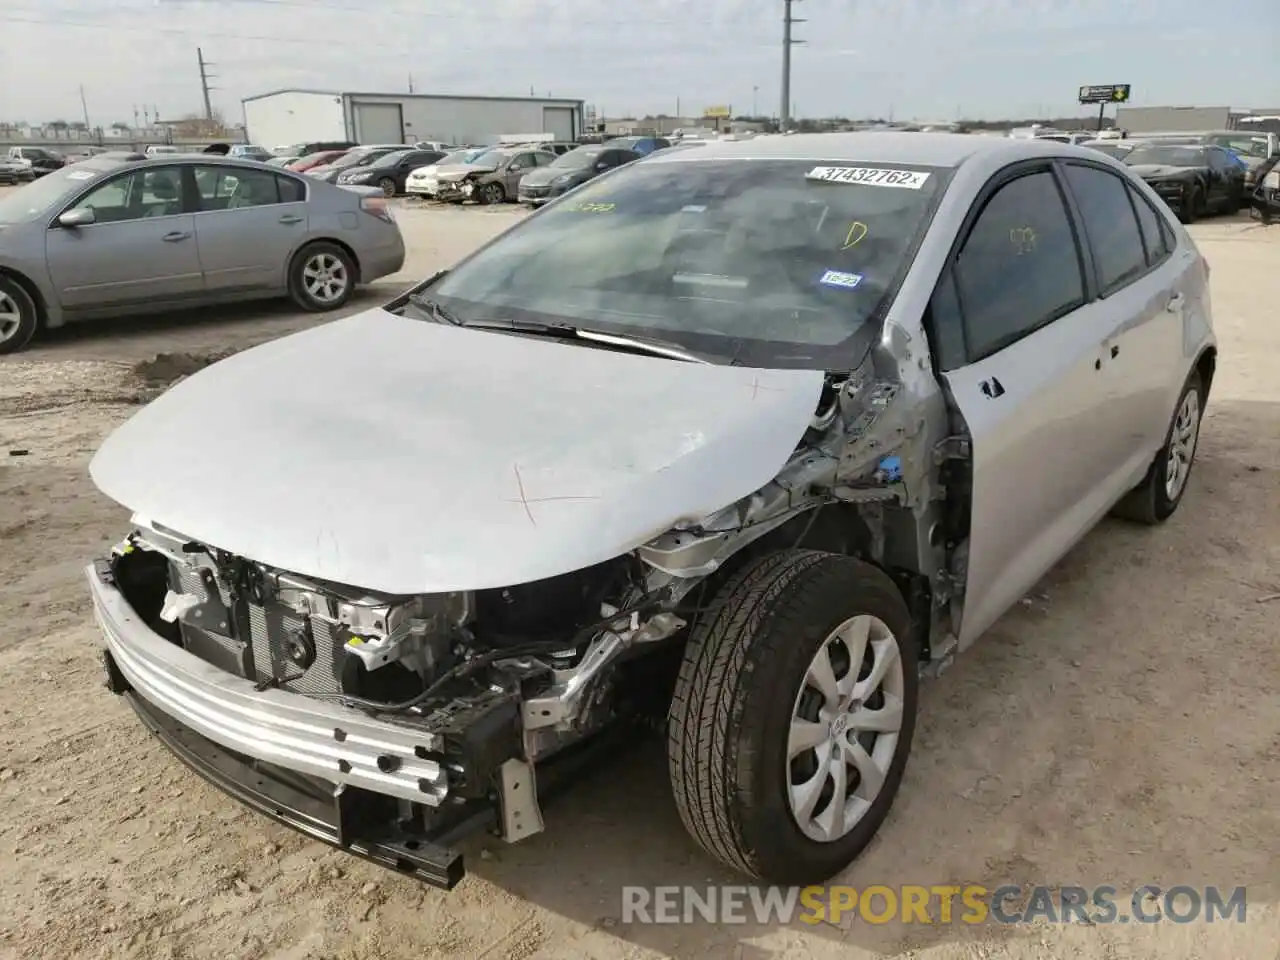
290	219
1115	351
1175	303
175	236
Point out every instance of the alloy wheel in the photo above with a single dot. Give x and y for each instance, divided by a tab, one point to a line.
1182	445
325	278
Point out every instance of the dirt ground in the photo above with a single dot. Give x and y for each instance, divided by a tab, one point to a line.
1121	726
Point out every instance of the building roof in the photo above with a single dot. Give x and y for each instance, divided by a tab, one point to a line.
356	95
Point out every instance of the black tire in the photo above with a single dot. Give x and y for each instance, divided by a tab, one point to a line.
730	716
1149	502
491	193
1192	200
298	279
388	187
16	334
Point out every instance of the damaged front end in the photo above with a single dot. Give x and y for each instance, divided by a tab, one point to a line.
388	725
394	725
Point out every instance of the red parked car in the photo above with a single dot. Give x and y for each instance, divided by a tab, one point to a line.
315	160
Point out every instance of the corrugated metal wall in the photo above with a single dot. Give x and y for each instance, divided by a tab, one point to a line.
1172	119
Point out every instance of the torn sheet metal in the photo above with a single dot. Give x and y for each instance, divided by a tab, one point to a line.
413	457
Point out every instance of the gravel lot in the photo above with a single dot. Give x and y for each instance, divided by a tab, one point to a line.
1122	726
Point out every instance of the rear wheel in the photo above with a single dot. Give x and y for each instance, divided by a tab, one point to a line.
793	716
1157	497
322	277
19	316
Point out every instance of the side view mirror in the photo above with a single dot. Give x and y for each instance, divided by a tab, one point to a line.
80	217
602	165
515	168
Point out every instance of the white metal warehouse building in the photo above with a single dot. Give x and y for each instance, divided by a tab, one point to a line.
304	116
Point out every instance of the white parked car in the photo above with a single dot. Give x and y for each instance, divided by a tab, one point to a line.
424	182
740	440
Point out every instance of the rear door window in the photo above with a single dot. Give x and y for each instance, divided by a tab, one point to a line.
1109	223
1155	237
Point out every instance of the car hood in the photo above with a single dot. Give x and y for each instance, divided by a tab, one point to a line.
1161	171
414	457
544	175
424	173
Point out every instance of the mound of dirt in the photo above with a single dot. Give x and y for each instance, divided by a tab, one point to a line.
165	369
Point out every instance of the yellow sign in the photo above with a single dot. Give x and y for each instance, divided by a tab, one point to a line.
717	112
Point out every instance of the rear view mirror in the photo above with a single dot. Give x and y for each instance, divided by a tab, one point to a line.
80	217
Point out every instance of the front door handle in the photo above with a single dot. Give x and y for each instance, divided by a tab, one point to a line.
1175	303
290	219
1115	351
992	388
175	236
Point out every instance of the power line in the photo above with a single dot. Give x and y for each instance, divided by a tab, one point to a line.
787	43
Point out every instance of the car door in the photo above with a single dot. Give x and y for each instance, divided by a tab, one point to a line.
1019	352
140	249
1138	298
248	226
520	164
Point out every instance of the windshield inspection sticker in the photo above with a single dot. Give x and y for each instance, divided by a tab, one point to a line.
870	176
837	278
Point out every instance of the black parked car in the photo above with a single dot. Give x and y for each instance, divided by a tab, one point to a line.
1193	180
40	160
390	170
570	170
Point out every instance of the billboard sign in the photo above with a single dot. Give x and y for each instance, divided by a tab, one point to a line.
1106	93
717	111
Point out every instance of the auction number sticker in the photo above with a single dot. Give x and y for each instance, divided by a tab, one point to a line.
80	175
838	278
870	176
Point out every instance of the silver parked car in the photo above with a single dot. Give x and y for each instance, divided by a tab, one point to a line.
742	439
114	235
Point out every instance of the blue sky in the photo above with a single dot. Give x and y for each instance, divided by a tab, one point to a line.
927	59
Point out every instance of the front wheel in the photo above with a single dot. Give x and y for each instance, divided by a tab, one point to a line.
388	187
19	316
1192	199
793	716
492	193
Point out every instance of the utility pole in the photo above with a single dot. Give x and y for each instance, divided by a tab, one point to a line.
84	106
411	83
205	77
787	43
755	110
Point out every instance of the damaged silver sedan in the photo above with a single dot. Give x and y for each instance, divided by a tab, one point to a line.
744	440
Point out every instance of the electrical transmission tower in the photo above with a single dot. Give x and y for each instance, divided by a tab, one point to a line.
205	77
787	43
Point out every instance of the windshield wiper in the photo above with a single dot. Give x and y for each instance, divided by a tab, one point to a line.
434	310
648	345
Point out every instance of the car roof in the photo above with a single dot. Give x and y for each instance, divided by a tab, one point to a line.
923	149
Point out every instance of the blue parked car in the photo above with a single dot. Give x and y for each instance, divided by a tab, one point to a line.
641	145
